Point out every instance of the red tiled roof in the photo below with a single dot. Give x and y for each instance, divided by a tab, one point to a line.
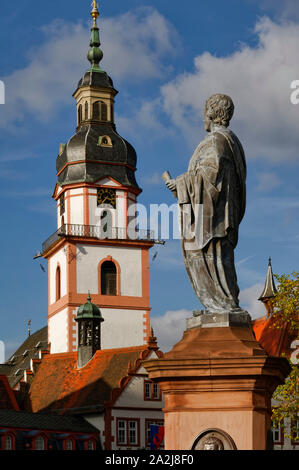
60	386
275	341
7	397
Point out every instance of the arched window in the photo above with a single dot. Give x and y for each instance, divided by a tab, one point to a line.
69	444
86	111
80	114
99	111
90	445
39	443
58	283
108	278
8	443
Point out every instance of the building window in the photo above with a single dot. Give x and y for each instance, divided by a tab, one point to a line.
58	283
69	444
79	114
151	391
108	278
90	445
277	436
86	111
39	443
99	111
62	204
148	423
8	443
128	433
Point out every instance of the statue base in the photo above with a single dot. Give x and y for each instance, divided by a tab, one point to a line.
207	319
217	384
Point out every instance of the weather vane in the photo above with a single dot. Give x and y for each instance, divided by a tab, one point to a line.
95	11
29	327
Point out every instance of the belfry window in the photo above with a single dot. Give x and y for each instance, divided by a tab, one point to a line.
108	278
99	111
79	114
86	111
58	283
62	204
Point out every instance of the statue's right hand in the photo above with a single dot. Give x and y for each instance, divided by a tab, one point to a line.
171	184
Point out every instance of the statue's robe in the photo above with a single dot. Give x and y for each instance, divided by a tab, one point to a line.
213	191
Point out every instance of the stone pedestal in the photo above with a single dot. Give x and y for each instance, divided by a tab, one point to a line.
217	384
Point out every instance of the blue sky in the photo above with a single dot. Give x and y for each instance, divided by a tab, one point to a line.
165	57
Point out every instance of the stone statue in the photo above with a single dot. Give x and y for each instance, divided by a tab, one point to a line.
212	198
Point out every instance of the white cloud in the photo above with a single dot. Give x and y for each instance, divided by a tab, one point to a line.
145	117
267	181
258	79
248	300
135	45
169	328
154	179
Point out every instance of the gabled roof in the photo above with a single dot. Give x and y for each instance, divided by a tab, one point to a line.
59	386
20	361
275	341
39	421
7	397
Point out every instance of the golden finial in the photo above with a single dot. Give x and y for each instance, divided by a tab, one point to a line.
95	12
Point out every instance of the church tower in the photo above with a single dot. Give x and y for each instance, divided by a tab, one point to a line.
97	246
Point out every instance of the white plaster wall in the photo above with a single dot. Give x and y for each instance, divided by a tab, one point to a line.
58	258
107	182
76	207
133	395
92	203
74	330
128	258
122	328
58	332
121	209
98	422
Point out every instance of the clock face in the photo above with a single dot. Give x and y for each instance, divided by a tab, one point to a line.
106	196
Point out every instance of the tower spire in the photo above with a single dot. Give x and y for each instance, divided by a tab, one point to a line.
269	290
95	54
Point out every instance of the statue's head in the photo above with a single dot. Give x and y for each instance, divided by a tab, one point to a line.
219	110
212	443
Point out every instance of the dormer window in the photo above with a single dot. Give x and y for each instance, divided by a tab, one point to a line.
105	141
99	111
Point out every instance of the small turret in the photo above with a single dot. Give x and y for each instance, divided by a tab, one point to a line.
89	319
269	290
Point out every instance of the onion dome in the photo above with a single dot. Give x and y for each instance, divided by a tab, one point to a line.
89	311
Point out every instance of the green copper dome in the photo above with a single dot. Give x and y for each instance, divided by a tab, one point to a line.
89	311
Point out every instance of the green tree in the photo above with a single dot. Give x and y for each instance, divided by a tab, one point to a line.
285	308
285	304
